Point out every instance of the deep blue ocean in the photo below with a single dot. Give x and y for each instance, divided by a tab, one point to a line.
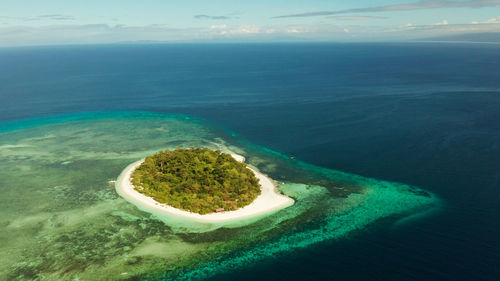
422	114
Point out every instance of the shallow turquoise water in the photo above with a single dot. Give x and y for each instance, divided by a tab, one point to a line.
64	221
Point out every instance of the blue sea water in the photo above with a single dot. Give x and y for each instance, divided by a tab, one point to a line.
423	114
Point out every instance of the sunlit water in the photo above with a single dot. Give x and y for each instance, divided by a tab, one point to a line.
417	113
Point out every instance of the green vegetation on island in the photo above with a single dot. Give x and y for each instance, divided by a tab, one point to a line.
198	180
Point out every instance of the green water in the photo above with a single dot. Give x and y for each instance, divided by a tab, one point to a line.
61	219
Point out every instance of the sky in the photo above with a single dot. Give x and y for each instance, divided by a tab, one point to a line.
56	22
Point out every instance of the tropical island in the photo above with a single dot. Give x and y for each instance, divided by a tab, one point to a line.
197	180
200	184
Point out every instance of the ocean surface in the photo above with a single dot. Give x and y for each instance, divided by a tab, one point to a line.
423	114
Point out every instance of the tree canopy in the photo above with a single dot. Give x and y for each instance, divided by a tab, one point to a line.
198	180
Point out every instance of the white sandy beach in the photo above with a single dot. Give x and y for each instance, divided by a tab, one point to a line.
268	201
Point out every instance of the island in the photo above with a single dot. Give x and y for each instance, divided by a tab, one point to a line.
200	184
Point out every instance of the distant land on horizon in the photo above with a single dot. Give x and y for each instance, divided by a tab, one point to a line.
482	37
485	37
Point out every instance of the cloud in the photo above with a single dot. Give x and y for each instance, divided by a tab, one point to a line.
239	30
494	20
443	22
218	27
489	21
295	32
62	34
207	17
88	34
444	29
419	5
66	33
356	17
56	17
408	26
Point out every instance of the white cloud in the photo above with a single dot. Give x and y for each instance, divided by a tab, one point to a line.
104	33
246	29
408	26
218	27
494	20
443	22
239	30
88	34
488	21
